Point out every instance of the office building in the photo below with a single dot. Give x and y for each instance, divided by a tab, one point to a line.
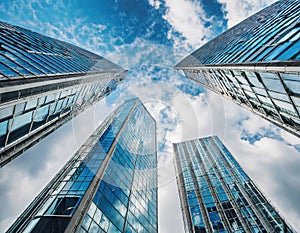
256	64
216	194
44	83
109	185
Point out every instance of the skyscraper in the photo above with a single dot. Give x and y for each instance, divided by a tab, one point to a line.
45	82
216	194
256	64
109	185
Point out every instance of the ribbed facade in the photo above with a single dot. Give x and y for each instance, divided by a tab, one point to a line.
256	64
109	185
216	194
45	82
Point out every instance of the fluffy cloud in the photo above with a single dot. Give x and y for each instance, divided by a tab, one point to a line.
29	173
239	10
143	52
25	177
272	162
183	111
193	22
186	17
187	20
155	3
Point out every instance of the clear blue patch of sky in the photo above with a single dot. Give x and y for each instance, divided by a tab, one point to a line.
128	19
214	11
191	88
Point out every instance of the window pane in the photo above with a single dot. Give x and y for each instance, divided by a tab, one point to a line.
20	107
3	130
272	82
6	112
41	113
292	81
21	120
31	104
20	127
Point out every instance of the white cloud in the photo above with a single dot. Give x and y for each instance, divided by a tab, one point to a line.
42	162
238	10
142	52
23	179
274	168
186	17
170	218
209	114
289	138
155	3
271	163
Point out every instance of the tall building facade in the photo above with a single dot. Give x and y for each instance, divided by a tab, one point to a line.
216	194
256	64
109	185
45	82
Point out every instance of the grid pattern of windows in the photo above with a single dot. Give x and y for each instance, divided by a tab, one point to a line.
126	199
273	95
219	195
60	199
35	114
256	64
119	159
44	83
270	35
24	53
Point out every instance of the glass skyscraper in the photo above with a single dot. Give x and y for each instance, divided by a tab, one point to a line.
256	64
216	194
109	185
45	82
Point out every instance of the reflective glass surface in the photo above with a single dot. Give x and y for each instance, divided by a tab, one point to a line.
273	95
50	108
25	53
269	35
126	200
45	82
216	193
249	62
120	160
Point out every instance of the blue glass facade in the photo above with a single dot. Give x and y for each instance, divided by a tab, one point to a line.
109	185
45	82
256	64
216	194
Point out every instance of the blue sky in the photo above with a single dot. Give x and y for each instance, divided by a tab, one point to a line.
107	26
149	37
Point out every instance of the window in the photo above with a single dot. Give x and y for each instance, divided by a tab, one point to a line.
63	206
292	81
294	32
20	107
6	112
290	52
3	130
21	121
272	82
40	116
6	71
31	104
